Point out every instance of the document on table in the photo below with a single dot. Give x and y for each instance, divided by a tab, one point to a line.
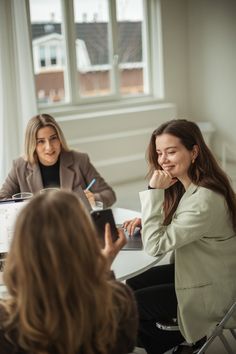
8	215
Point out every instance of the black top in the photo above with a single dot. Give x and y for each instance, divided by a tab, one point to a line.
50	174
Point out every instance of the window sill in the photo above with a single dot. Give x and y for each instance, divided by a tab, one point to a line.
64	113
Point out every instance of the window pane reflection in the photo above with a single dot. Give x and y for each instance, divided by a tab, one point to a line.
92	47
130	46
48	50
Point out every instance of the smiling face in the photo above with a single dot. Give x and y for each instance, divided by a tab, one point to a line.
48	146
174	158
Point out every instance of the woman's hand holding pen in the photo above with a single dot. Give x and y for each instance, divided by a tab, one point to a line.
89	194
162	180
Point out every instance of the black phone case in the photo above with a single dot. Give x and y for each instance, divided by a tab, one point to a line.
101	218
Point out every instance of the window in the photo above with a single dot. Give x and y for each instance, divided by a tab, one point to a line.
53	55
42	56
90	50
48	43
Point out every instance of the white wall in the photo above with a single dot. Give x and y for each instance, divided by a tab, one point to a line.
199	40
212	48
175	54
116	140
212	61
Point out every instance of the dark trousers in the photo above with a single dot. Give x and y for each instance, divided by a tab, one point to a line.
155	294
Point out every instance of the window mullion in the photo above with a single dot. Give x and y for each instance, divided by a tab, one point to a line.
146	48
113	45
156	50
71	82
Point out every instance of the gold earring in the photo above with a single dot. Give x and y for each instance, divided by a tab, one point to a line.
193	160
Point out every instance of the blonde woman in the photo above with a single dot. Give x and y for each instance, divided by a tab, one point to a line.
48	162
61	298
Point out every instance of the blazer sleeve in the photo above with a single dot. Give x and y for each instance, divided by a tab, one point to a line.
101	189
11	184
191	221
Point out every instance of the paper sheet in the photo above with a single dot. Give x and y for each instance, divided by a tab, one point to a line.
8	215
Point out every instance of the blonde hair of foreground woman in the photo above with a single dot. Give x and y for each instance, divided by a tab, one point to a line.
56	276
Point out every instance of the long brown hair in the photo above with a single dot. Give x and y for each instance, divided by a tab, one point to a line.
60	299
205	171
35	123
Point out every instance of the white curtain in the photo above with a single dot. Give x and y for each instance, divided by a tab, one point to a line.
17	92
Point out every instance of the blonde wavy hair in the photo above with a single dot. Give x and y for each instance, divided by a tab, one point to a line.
35	123
56	276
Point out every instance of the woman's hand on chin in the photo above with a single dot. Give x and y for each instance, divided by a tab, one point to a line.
162	180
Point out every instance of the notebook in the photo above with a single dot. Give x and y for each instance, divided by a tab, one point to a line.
9	209
134	242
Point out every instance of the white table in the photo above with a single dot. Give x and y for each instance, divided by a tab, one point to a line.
129	263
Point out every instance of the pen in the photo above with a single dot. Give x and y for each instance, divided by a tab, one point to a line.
91	184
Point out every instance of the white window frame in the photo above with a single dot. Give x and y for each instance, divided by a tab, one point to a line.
153	77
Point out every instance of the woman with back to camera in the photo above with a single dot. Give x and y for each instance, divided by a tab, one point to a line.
48	162
62	298
190	208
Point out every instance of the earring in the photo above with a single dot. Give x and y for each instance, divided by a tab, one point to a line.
193	160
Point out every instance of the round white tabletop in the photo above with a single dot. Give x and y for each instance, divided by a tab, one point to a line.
129	263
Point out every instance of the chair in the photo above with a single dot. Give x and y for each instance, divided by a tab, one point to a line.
172	326
217	332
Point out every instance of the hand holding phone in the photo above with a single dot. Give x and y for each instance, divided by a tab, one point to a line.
111	249
101	218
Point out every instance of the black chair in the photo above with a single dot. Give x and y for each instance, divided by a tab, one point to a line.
201	346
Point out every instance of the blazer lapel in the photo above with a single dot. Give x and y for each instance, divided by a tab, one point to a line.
67	175
34	178
191	189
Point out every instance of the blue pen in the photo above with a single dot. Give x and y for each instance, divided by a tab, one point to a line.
91	184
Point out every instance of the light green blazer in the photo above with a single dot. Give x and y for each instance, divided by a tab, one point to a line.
204	241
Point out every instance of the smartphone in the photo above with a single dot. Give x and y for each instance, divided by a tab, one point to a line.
101	218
